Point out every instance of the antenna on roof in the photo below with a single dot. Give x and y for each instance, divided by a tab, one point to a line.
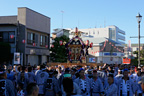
95	24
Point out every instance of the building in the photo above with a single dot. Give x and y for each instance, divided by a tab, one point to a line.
104	50
60	32
31	35
98	53
128	51
111	32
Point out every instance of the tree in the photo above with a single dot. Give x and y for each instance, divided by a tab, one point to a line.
142	53
136	52
141	57
59	52
5	52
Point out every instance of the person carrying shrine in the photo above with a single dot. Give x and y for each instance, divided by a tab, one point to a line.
41	79
84	83
6	86
126	86
111	89
96	85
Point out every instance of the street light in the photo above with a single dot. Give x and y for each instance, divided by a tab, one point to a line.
139	17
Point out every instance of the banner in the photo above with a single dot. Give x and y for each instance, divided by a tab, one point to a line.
126	61
17	58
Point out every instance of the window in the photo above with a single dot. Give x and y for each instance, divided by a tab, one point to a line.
32	38
112	34
44	40
5	37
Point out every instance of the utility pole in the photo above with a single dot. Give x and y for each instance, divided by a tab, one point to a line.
139	17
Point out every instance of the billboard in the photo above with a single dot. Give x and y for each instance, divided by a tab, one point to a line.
92	60
16	58
126	61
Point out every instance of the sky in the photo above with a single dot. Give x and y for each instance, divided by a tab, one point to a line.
85	13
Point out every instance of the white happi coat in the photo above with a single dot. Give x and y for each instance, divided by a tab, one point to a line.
111	90
131	87
87	86
96	87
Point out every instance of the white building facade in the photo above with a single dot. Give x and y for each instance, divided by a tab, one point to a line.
111	32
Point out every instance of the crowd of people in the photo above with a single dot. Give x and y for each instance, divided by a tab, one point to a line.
44	80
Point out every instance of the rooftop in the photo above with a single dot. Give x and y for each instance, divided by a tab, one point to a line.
99	40
134	45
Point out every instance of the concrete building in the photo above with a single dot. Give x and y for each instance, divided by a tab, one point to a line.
104	50
60	32
31	31
111	32
128	51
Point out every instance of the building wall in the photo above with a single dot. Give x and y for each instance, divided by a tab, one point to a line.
33	59
6	28
101	57
44	59
66	33
8	19
97	32
117	34
34	20
129	51
28	20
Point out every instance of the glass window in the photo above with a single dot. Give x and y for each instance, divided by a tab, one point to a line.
5	37
112	34
43	41
31	38
36	38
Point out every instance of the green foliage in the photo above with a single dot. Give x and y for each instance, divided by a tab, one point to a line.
136	52
5	52
142	53
59	53
135	61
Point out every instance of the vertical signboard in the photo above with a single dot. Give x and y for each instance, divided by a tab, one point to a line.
16	58
129	45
